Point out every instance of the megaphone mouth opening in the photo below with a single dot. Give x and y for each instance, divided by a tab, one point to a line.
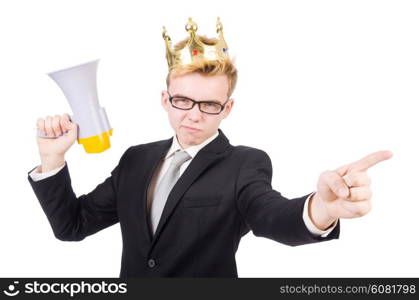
74	67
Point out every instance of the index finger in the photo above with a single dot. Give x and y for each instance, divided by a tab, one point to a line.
66	118
370	160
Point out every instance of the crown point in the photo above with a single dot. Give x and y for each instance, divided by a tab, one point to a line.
191	26
219	25
165	36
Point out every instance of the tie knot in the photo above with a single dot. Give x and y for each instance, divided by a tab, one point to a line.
180	157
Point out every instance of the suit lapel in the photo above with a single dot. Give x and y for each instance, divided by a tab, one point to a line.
210	154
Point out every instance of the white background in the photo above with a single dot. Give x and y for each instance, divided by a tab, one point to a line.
321	84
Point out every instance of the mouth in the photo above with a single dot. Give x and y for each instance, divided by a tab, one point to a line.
191	129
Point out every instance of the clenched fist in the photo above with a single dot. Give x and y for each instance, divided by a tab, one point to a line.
60	135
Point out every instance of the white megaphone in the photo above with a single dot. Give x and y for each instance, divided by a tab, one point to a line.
79	86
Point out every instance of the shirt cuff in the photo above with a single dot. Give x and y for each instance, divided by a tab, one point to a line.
37	176
309	224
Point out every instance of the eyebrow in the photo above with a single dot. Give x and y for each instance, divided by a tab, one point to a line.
183	96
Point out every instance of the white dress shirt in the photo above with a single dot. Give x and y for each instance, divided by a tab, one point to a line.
164	165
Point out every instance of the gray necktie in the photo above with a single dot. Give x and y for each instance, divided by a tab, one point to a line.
165	186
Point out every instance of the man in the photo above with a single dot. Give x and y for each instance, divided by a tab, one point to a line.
184	203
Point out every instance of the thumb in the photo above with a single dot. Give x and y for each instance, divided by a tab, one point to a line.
331	185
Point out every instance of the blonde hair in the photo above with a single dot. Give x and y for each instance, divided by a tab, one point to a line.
205	67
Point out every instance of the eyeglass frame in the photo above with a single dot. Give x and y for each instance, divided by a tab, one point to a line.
197	102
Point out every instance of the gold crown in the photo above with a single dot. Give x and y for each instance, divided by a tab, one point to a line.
195	48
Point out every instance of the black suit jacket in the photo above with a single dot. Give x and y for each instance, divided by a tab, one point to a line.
224	192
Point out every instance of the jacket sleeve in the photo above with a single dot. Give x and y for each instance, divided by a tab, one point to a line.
73	218
265	211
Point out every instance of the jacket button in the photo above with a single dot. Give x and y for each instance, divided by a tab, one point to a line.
151	263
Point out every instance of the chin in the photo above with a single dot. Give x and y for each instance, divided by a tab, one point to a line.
190	139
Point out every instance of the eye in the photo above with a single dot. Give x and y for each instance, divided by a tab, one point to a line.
211	104
182	102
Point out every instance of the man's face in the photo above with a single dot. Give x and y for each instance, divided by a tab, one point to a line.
192	126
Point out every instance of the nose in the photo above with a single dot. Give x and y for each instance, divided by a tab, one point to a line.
194	114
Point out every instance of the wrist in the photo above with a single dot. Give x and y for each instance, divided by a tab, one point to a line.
318	213
51	162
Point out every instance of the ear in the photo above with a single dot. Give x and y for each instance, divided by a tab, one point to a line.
228	108
165	100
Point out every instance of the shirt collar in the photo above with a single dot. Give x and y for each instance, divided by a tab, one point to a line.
192	150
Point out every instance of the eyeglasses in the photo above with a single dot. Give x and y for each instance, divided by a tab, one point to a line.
185	103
